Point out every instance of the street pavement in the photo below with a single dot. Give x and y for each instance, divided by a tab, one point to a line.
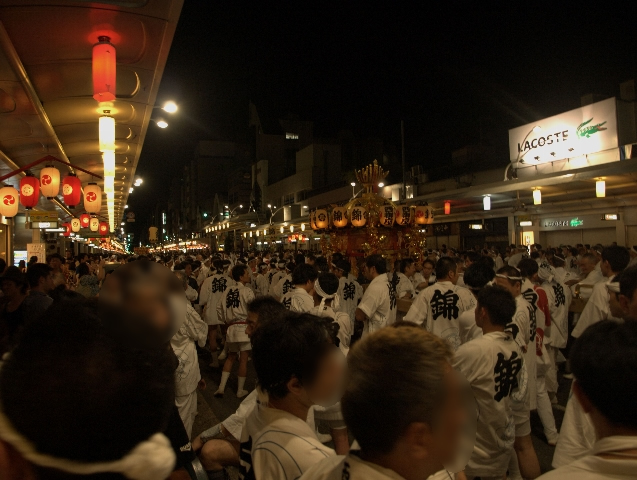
211	409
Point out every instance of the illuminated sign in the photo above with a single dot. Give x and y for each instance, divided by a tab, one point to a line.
526	223
589	129
475	226
610	216
573	222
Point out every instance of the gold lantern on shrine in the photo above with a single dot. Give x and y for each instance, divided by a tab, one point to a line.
423	215
357	215
403	215
386	215
321	219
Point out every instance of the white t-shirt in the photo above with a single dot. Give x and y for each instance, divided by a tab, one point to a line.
594	467
279	445
233	310
378	304
211	292
577	434
352	467
438	307
283	286
404	286
494	367
298	300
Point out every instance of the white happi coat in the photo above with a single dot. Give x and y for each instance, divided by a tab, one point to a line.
537	298
283	286
279	445
233	310
192	331
378	304
467	328
349	294
345	330
559	297
404	286
274	281
211	292
597	308
298	300
438	308
523	330
494	367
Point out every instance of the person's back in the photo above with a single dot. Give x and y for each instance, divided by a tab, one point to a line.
604	364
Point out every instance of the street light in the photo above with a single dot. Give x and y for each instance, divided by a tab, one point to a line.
161	123
170	107
353	184
239	207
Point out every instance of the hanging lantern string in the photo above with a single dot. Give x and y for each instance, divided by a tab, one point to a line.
48	158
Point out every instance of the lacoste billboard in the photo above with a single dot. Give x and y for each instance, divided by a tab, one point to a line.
585	130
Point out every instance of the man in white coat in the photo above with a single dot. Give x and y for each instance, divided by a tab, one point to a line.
439	306
349	292
300	298
233	310
377	309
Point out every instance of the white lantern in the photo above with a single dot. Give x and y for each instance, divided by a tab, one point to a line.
76	225
424	215
109	163
403	215
339	217
600	188
107	133
486	201
302	227
50	182
95	224
92	198
537	197
9	201
357	216
321	219
386	215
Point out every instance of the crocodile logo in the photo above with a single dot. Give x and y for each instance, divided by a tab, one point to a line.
585	130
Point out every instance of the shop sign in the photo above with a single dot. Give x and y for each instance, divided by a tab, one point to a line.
585	130
572	222
441	229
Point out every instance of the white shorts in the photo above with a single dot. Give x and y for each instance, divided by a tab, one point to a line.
235	347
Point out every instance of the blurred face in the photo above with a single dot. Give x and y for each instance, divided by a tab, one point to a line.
327	386
450	420
368	272
55	263
246	277
616	309
586	266
427	269
410	269
628	306
188	269
9	288
49	283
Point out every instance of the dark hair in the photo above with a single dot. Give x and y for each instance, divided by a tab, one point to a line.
109	387
485	260
528	267
604	363
299	259
291	345
343	265
304	273
328	282
472	256
378	262
628	281
444	266
238	271
218	264
477	275
617	257
37	271
393	390
405	263
510	271
430	262
83	269
267	308
499	303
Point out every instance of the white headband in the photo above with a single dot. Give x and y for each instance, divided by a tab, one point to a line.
324	296
149	460
499	275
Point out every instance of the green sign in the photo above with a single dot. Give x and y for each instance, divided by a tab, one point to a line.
585	130
576	222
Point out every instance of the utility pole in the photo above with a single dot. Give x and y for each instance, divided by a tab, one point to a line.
402	141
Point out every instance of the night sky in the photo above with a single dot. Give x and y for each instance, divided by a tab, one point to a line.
448	71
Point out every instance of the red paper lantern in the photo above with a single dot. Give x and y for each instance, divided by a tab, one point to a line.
67	229
92	198
85	220
104	228
104	70
50	181
447	208
29	191
71	190
8	201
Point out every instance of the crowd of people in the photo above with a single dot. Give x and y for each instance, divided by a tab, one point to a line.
418	369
